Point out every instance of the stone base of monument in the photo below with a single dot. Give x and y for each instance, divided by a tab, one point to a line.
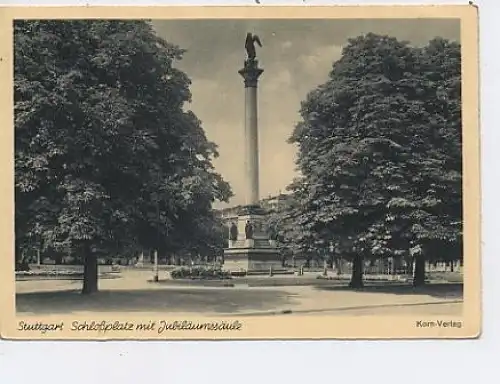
255	254
251	260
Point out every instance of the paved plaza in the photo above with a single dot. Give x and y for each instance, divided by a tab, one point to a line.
132	293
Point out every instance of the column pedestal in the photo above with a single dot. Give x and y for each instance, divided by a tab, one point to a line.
255	255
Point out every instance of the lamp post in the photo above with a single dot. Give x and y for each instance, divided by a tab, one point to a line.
155	276
325	262
155	255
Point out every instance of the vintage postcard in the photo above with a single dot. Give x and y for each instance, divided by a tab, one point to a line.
240	172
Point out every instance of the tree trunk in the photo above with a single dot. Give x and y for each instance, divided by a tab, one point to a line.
452	266
409	266
58	259
308	262
330	263
17	256
419	272
357	272
89	271
338	265
21	263
396	265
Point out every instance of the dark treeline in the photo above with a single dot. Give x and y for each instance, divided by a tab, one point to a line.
380	158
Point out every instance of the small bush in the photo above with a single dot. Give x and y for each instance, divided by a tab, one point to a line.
238	273
321	277
200	273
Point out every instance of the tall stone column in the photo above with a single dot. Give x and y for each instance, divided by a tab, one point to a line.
251	73
252	251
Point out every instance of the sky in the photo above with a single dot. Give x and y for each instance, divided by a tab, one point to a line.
296	56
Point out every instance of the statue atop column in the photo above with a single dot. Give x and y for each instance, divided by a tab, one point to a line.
251	70
250	46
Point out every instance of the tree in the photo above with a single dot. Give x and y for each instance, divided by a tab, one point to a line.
291	239
350	142
107	160
425	222
367	153
438	229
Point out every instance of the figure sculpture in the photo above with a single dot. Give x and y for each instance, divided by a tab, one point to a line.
249	230
250	45
233	232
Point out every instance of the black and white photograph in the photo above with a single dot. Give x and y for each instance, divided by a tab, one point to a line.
240	170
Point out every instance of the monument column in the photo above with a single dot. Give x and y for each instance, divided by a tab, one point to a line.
251	251
251	73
